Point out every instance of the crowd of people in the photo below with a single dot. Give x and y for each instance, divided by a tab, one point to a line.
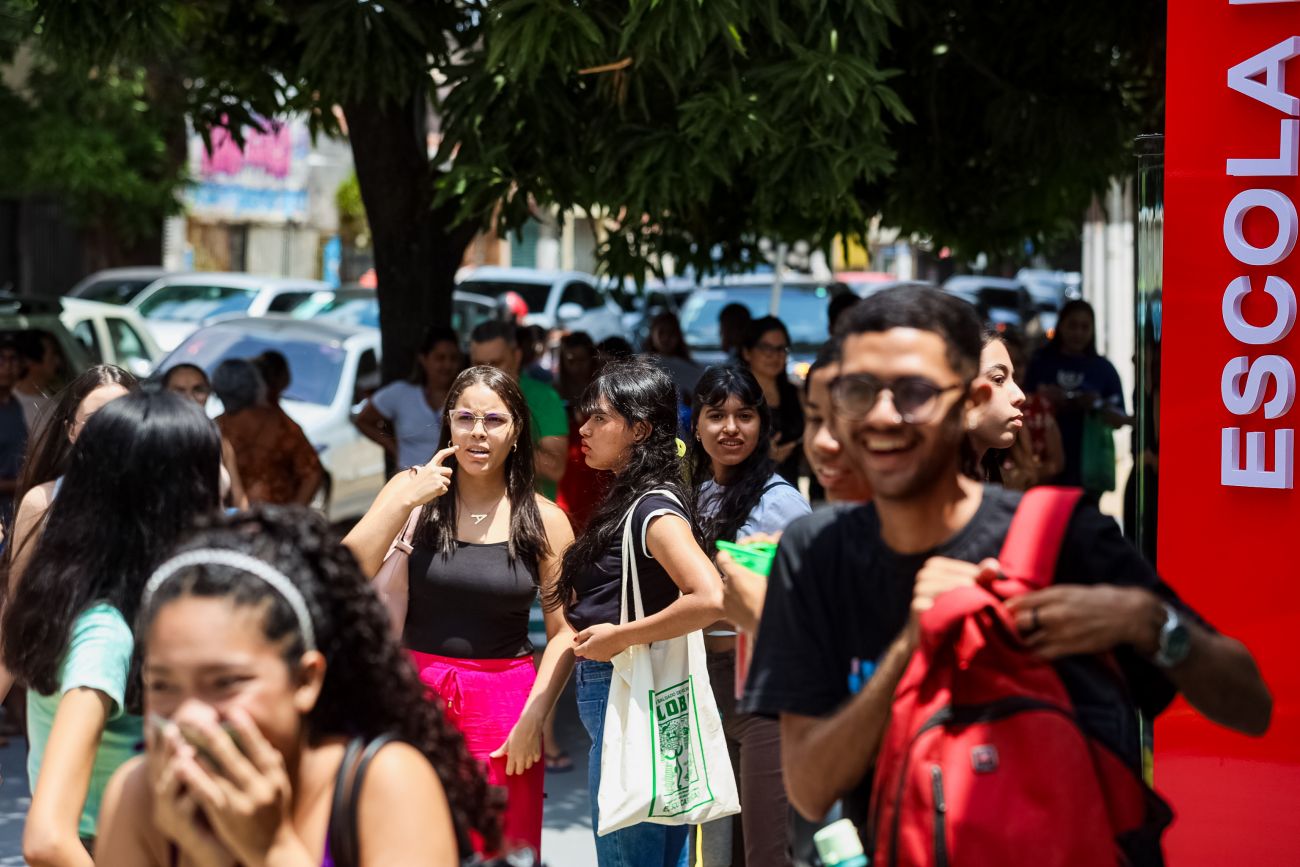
211	678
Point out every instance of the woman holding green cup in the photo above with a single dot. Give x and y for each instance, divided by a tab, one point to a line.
740	495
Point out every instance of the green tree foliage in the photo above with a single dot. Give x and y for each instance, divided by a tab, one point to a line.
88	138
698	127
1023	113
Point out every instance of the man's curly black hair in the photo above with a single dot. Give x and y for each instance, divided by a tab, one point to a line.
371	688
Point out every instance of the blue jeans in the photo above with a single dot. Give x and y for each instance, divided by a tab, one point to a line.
643	845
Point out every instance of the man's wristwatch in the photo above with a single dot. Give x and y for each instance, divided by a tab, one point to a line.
1175	640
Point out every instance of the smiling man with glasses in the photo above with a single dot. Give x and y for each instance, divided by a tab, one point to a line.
848	584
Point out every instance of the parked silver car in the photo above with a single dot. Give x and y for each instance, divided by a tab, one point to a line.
333	367
357	305
178	304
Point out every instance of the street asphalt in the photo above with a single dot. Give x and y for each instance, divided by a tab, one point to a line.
566	835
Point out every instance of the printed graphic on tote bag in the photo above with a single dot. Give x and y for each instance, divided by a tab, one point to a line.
681	778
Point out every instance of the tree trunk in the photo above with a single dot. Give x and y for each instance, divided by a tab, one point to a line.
417	250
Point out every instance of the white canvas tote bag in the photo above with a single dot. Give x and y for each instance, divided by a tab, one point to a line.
663	755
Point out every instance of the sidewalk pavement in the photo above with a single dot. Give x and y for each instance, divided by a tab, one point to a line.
566	834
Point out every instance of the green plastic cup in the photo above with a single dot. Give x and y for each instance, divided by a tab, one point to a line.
754	556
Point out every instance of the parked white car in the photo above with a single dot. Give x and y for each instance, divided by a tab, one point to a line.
178	304
569	300
116	285
333	367
112	334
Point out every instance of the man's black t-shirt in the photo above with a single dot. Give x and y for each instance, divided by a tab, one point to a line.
838	597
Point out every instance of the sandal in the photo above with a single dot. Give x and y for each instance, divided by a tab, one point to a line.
558	763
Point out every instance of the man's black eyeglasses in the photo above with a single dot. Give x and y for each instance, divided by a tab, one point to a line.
915	398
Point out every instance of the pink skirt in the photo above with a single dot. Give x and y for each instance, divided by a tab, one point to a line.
484	699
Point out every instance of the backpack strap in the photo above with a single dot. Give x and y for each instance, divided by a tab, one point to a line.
774	485
1033	543
1028	560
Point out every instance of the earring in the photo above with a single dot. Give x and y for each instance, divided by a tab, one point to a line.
514	447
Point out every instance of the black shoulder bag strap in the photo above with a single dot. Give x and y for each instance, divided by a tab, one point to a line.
344	836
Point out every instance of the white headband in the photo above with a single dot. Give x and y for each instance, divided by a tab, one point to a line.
245	563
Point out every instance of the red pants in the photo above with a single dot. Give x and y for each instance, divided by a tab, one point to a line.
484	698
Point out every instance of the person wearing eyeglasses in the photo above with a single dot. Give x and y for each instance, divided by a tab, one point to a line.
486	543
849	584
765	350
496	344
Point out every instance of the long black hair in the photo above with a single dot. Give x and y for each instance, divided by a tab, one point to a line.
986	467
638	390
1074	308
437	529
144	468
370	687
749	478
51	447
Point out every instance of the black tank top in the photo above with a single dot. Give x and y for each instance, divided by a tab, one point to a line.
471	603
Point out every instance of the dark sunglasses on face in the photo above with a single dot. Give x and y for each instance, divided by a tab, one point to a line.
465	421
915	398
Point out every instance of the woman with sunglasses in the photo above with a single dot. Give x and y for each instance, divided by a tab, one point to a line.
765	350
484	545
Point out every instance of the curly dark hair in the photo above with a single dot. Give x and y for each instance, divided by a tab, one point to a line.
370	687
638	390
749	479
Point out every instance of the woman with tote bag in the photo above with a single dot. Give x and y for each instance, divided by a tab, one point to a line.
637	576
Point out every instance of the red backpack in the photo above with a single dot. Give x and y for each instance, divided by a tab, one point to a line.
984	761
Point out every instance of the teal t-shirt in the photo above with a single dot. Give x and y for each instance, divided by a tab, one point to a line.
548	420
99	657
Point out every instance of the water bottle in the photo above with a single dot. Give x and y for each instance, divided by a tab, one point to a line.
838	845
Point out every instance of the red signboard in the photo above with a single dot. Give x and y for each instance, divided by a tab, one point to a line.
1229	523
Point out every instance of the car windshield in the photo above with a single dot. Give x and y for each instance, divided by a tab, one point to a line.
115	291
315	368
534	294
196	303
803	310
346	310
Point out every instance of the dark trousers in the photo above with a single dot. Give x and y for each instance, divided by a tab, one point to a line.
759	836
